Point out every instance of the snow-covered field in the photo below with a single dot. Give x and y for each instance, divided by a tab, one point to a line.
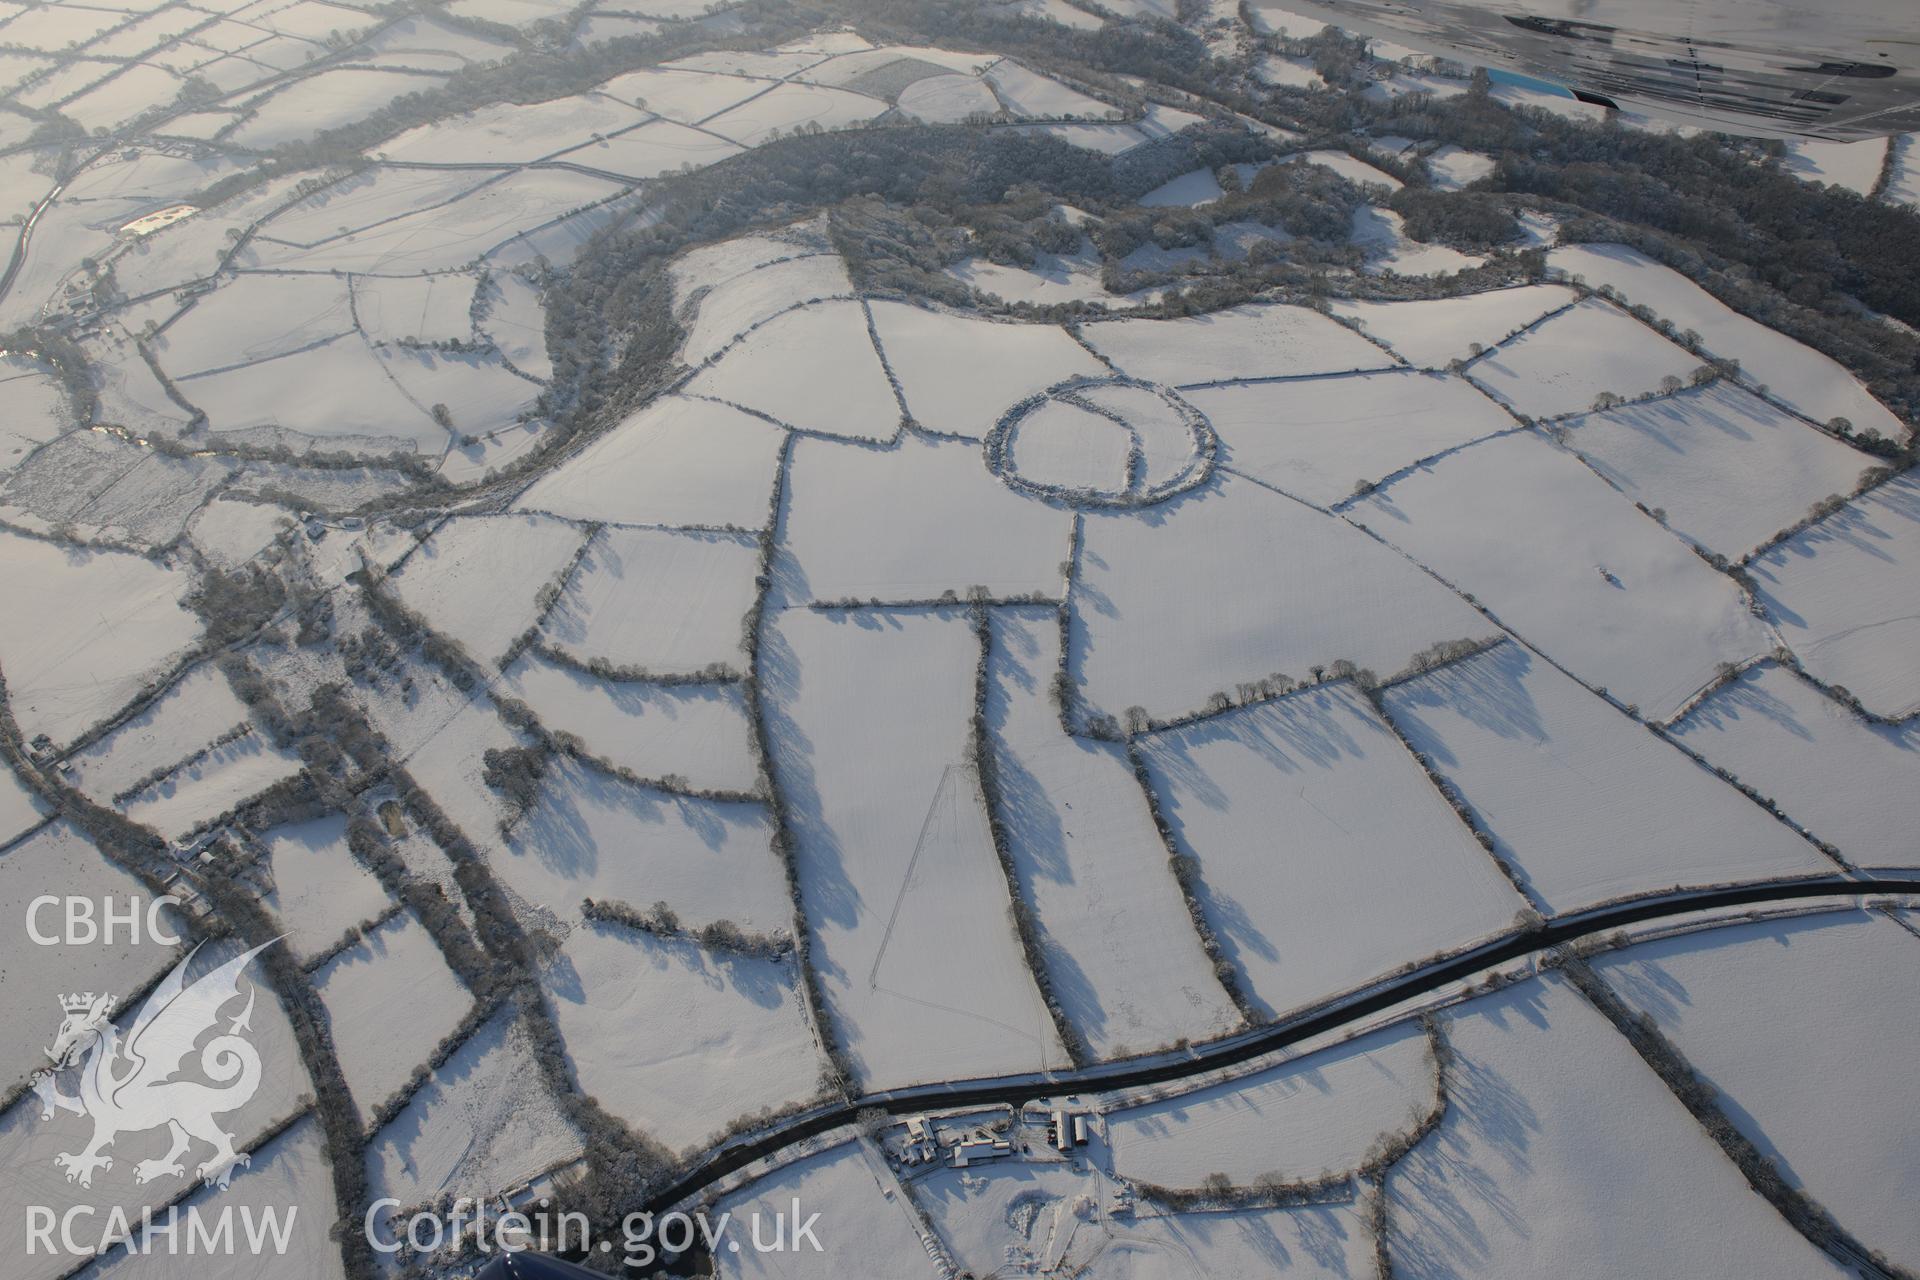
1381	235
1804	379
874	1232
421	41
319	889
216	783
1234	583
698	732
1311	1115
476	214
1031	1218
676	462
128	388
366	199
1564	364
1064	446
911	522
446	751
655	148
1358	172
1844	779
1453	167
814	368
1431	333
58	861
325	101
1005	363
1729	469
195	710
1852	165
687	97
1189	190
1294	73
676	1039
667	602
511	133
734	306
124	95
861	67
1107	139
1762	1010
1558	1133
484	1122
923	974
416	308
787	107
83	631
390	998
479	393
476	579
1587	805
710	266
1840	595
1320	846
1604	589
515	318
1255	341
948	99
37	410
255	317
1052	278
1121	949
1029	94
594	836
20	808
1323	438
336	395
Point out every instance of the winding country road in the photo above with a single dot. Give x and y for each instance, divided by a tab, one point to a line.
22	243
1303	1025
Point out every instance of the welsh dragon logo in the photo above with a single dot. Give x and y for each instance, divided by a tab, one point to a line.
127	1085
